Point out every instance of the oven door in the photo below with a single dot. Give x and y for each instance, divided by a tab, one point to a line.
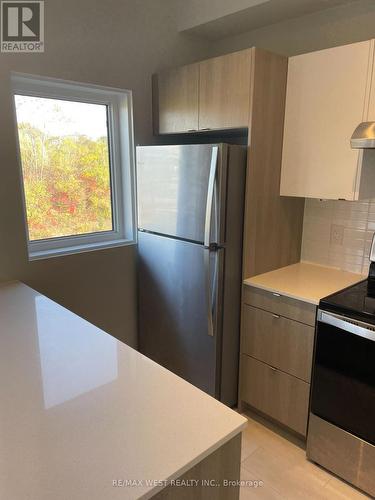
343	385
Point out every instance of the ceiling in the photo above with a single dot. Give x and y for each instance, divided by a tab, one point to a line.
215	19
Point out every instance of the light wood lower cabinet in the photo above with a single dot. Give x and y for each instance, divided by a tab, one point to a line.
275	393
278	341
279	304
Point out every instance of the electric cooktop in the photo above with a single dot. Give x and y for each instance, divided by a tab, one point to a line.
357	302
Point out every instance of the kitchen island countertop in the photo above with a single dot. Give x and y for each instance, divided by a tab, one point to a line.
82	413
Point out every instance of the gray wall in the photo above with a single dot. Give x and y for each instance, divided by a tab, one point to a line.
104	42
336	26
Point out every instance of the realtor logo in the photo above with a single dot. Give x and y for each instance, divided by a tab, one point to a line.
22	26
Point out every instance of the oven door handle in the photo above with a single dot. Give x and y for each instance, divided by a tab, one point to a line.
353	326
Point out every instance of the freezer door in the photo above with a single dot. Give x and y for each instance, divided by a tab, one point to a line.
181	191
176	308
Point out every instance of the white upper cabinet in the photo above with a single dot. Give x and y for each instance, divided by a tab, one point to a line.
328	95
371	108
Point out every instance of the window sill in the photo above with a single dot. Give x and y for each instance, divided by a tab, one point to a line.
87	247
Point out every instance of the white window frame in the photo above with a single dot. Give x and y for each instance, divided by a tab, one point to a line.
122	163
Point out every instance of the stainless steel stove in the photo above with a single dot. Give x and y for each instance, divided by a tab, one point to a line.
341	430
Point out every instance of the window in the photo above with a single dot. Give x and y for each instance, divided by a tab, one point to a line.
77	161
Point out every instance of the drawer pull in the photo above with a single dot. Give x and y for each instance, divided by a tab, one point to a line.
276	316
276	294
272	369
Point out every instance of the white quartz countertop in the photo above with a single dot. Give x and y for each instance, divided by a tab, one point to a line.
305	281
79	409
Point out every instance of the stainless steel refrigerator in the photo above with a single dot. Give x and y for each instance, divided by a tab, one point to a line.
190	220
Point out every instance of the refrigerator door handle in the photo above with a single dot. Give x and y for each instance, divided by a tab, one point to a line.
209	300
211	289
210	196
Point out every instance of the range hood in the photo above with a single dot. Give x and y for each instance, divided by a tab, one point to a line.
363	136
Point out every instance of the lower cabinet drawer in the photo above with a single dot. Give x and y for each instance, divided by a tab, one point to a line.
275	393
279	342
279	304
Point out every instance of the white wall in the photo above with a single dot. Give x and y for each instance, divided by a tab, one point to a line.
336	26
216	19
195	12
103	42
355	219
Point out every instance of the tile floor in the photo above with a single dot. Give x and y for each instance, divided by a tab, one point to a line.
278	459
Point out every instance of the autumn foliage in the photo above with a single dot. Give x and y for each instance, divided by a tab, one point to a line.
66	182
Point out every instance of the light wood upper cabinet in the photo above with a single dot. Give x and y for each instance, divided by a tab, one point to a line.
176	100
224	91
327	97
212	94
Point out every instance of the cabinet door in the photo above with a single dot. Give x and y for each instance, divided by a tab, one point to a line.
176	100
279	342
326	99
224	91
275	393
371	108
366	181
276	303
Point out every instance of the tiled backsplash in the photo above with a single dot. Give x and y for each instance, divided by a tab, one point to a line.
338	233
